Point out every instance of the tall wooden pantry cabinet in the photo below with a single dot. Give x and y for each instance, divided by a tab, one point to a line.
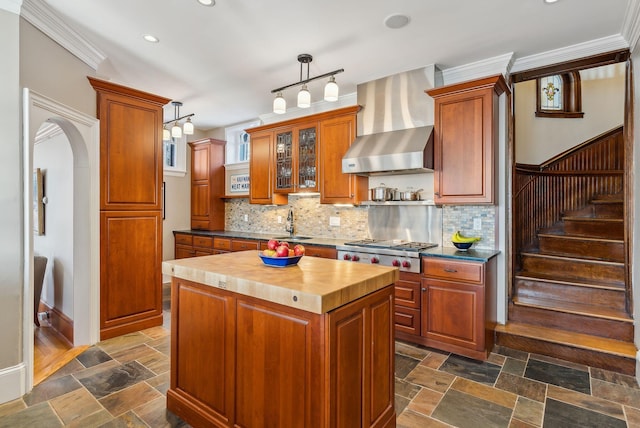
130	208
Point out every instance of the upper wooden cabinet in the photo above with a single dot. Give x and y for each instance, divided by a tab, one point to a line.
207	184
465	142
261	167
337	134
296	158
130	147
305	155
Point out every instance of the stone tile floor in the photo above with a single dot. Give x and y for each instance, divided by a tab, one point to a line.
122	382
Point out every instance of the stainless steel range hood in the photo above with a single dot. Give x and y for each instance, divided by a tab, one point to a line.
406	151
395	125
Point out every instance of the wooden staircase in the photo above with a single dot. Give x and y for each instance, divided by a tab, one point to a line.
569	297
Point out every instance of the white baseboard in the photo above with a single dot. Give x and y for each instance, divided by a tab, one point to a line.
12	383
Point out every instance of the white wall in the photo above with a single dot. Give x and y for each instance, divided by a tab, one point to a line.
539	139
11	214
55	159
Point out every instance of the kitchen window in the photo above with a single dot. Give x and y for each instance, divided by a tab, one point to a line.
559	96
238	147
174	156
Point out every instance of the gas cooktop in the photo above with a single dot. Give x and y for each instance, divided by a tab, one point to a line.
396	244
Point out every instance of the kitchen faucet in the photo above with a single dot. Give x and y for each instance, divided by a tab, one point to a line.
289	227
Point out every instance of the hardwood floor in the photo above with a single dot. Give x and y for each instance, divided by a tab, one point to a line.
50	352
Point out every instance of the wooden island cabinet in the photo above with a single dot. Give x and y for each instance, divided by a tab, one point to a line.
310	345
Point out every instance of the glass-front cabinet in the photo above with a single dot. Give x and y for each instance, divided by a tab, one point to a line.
296	158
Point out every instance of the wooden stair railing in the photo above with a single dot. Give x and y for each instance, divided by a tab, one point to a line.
569	258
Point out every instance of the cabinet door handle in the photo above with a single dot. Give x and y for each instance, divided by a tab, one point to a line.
450	270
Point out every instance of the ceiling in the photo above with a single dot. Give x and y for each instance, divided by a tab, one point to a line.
222	62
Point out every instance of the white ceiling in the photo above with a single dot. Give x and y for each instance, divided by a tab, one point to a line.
222	62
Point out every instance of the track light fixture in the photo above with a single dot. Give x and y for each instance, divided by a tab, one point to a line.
331	89
176	131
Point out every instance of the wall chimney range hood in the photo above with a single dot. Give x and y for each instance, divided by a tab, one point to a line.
405	151
395	125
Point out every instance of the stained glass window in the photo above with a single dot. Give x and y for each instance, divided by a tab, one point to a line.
552	93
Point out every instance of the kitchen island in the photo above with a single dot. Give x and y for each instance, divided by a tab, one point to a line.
310	345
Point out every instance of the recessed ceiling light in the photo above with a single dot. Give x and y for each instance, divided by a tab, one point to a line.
150	38
207	2
550	1
396	21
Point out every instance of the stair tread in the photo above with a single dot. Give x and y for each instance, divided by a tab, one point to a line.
601	219
570	259
561	234
609	285
578	340
572	307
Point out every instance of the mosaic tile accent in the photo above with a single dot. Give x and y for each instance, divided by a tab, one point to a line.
311	218
461	218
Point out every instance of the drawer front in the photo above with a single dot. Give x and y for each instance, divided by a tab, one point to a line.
326	252
452	270
202	252
183	252
183	238
407	320
243	245
222	244
203	241
199	224
407	293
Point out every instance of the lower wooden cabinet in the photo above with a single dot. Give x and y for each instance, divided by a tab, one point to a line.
130	271
408	303
253	363
450	307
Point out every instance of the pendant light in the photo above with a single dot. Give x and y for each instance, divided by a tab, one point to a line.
279	104
176	131
304	97
331	89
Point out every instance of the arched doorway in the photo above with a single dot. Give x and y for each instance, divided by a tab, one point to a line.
82	132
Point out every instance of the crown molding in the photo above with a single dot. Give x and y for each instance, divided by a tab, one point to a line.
12	6
631	24
500	64
570	53
45	19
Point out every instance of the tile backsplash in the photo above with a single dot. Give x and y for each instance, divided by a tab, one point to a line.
312	219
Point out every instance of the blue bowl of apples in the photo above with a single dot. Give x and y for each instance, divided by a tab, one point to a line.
279	254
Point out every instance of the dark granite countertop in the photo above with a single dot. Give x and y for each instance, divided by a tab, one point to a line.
322	242
454	253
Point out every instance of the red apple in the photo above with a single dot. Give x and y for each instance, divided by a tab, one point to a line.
285	243
282	251
272	244
298	250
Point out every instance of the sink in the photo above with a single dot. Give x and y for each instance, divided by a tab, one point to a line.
292	238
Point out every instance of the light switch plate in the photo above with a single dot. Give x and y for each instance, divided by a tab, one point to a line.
279	219
334	221
477	223
246	217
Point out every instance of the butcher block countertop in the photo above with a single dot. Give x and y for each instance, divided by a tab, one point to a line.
315	284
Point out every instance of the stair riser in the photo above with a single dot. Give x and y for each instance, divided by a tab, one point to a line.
608	210
572	322
614	299
573	268
586	357
558	245
594	228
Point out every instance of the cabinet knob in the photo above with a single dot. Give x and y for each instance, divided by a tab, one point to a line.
424	289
